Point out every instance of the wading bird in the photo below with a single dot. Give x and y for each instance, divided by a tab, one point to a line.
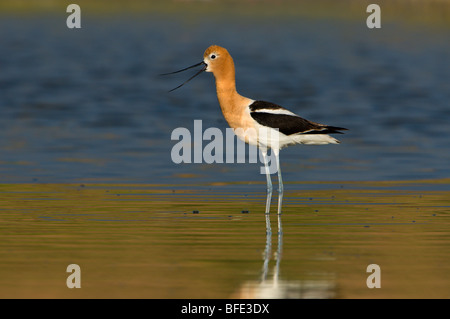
274	126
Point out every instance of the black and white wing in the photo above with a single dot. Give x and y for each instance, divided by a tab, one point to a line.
274	116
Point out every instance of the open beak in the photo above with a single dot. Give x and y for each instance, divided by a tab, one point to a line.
189	67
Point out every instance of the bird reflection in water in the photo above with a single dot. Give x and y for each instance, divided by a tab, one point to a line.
271	287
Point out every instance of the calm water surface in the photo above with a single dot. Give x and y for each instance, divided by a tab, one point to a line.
88	104
87	178
152	241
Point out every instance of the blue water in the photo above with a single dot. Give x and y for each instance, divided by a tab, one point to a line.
88	104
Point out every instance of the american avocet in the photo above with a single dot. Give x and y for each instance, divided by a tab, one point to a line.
243	113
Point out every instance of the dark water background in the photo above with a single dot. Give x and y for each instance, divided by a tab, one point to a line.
88	105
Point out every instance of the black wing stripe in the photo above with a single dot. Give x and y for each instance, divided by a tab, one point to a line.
261	105
288	124
335	129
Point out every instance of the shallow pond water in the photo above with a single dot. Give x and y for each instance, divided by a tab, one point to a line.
87	176
89	104
157	241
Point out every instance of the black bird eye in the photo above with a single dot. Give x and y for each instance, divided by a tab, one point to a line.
213	56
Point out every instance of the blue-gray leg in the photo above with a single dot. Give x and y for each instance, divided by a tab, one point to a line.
280	181
269	181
